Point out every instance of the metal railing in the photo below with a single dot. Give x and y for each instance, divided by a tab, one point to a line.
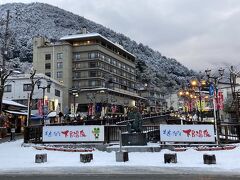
229	133
33	134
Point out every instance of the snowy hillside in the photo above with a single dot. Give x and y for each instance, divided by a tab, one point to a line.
28	20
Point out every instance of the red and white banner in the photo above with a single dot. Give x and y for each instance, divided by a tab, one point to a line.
73	133
187	133
40	107
114	108
91	109
220	105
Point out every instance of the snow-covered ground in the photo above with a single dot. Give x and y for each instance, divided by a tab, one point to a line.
14	157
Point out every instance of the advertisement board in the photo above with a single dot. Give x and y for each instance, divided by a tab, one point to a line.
187	133
73	133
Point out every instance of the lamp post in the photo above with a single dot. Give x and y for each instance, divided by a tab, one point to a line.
185	94
215	97
49	82
199	85
75	94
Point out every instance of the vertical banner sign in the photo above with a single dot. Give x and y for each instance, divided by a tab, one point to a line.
73	133
89	109
40	107
220	101
187	133
211	89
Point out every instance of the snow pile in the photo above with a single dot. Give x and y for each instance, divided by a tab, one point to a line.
15	157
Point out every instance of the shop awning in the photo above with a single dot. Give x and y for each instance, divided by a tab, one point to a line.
13	103
52	114
16	112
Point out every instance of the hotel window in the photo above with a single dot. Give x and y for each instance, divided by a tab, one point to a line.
47	56
59	74
93	74
119	64
48	66
92	64
102	56
93	55
59	65
57	93
108	60
77	75
78	65
76	56
92	83
27	87
48	74
59	55
8	88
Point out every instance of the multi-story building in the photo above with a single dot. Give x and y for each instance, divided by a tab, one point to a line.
18	87
100	71
154	101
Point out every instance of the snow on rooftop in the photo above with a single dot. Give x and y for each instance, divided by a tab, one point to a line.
81	36
13	103
88	35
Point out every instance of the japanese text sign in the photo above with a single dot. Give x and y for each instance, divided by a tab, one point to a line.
73	133
187	133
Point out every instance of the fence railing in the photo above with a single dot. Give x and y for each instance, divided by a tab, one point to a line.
33	134
229	133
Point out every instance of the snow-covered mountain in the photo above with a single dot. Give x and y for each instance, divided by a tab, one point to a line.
28	20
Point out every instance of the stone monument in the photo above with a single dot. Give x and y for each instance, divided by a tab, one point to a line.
134	136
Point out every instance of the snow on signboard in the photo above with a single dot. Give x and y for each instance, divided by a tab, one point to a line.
187	133
73	133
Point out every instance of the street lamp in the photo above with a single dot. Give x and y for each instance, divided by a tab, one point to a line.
75	94
199	84
49	82
187	96
215	97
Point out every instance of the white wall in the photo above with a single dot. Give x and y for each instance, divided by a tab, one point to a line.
17	92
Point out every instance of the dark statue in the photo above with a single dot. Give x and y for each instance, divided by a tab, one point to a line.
134	136
136	125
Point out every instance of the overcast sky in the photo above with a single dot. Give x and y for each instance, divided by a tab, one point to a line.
200	34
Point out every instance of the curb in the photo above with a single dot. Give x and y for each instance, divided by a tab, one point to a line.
64	149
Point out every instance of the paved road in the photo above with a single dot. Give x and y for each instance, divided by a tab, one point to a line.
117	173
118	177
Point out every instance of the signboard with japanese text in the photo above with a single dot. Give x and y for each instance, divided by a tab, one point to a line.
187	133
73	133
220	100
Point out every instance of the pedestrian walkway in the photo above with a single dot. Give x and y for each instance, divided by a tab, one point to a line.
8	137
